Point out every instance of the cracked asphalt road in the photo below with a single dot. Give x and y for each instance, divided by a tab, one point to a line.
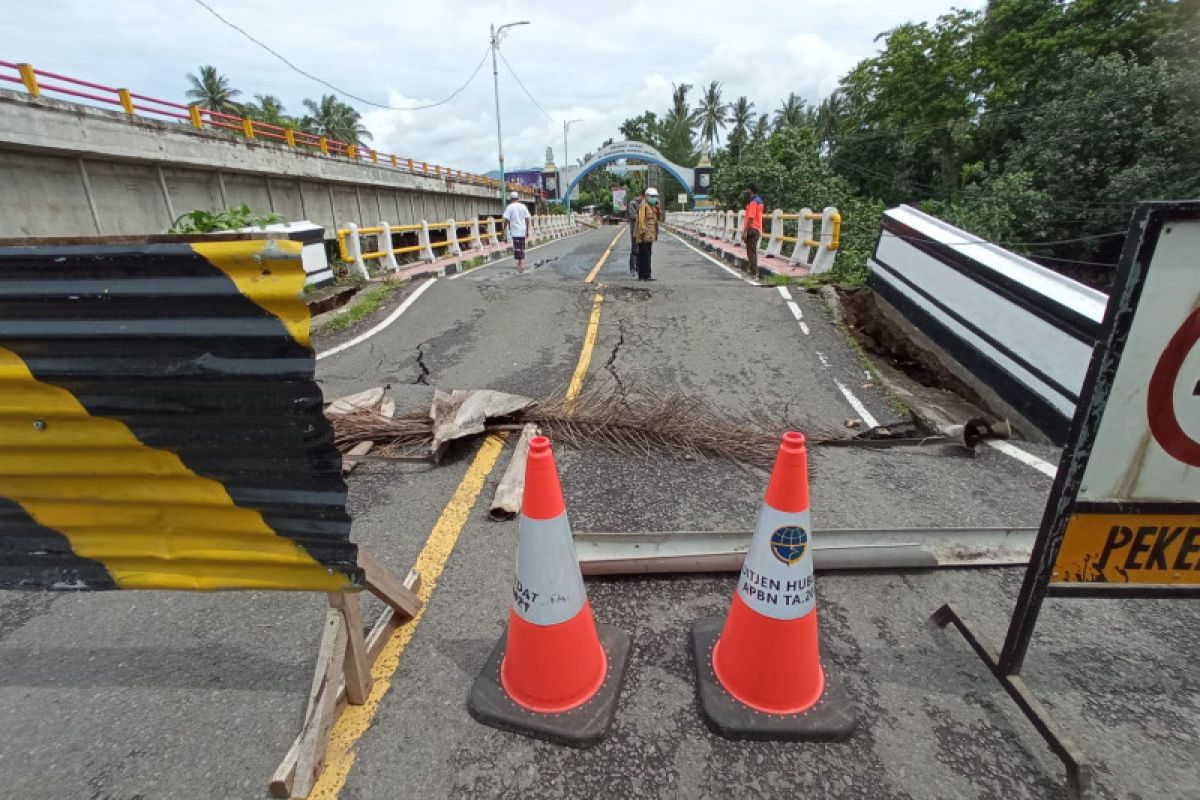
153	695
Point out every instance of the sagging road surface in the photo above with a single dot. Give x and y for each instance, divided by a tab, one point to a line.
152	695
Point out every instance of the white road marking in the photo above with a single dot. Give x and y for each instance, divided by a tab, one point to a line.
1029	459
860	409
395	315
821	357
720	264
795	309
804	327
784	293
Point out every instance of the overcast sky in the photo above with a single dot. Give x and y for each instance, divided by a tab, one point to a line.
578	62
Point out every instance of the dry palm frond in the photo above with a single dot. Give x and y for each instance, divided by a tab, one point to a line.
605	417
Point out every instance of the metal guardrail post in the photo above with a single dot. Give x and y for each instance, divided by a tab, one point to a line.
248	127
775	242
289	136
426	243
355	248
126	101
195	116
823	258
804	232
452	237
386	245
29	78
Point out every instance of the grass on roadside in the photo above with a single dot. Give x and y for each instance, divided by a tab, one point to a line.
778	279
363	306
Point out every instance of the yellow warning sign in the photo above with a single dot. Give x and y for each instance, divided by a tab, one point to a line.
1130	548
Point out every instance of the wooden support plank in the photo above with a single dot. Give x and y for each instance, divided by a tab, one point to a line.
358	664
283	784
311	755
387	586
289	780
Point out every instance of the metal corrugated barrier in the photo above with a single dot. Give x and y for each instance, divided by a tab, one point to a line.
159	423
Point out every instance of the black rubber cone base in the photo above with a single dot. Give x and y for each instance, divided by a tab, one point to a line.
832	719
582	726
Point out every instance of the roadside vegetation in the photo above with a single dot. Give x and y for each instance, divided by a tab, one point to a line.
363	306
1037	124
328	116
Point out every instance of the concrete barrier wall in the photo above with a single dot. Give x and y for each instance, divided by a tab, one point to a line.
67	169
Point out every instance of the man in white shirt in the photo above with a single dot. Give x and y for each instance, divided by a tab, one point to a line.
516	218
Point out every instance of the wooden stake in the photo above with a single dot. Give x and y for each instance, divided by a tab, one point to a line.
358	665
343	670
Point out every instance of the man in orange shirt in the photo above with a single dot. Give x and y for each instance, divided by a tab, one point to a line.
752	228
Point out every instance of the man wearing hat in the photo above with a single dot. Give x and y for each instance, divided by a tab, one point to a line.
516	219
646	233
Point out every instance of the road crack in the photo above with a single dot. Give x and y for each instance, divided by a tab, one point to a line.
612	357
423	377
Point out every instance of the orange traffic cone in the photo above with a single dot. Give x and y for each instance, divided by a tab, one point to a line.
555	674
760	674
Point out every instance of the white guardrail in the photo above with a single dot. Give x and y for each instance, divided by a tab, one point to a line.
798	250
430	241
1013	330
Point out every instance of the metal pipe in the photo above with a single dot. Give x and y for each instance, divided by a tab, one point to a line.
848	548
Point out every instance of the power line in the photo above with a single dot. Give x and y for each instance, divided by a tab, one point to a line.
521	83
324	82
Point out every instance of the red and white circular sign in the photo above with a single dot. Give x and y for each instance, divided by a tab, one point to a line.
1161	403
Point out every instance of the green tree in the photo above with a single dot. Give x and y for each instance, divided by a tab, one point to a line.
269	109
332	118
713	115
762	128
1107	133
644	128
212	90
741	116
792	112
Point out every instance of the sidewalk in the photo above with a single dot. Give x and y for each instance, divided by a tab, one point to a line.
734	254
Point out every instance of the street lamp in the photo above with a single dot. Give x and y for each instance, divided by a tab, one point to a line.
497	33
567	126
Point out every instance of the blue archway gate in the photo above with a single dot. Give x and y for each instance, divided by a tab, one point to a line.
571	176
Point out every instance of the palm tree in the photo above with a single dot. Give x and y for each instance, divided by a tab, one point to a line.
269	109
680	111
829	119
740	116
761	128
335	120
213	91
791	112
712	114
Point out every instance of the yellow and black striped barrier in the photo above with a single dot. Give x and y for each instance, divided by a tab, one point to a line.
159	423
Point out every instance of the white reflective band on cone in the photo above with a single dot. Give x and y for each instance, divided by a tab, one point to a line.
777	577
549	586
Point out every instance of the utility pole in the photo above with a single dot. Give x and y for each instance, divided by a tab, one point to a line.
566	126
497	33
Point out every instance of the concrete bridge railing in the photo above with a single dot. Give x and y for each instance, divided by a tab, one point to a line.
430	242
72	168
789	235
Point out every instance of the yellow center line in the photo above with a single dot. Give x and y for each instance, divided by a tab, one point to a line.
355	720
596	269
589	344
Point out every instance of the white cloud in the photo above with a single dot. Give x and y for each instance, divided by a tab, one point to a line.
599	64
